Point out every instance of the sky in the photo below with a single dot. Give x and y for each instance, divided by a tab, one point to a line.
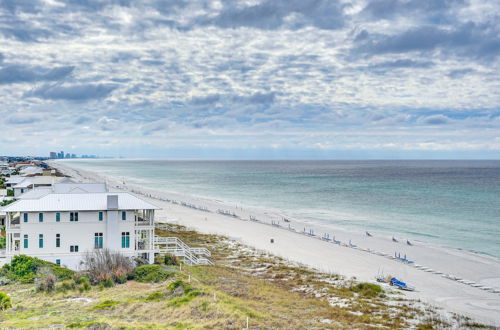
251	78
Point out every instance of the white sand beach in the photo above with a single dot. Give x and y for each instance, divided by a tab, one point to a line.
456	280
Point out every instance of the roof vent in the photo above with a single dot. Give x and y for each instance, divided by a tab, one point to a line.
112	202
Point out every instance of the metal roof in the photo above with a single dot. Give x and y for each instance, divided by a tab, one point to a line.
59	188
15	179
78	202
35	193
37	180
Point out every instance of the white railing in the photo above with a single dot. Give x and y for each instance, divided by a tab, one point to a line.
175	246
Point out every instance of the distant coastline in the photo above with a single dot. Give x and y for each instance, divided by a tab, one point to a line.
439	213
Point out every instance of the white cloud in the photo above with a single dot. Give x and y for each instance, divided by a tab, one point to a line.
251	73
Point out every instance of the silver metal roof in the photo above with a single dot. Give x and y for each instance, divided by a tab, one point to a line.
62	188
78	202
35	193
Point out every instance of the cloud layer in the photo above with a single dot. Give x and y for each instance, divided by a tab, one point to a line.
139	78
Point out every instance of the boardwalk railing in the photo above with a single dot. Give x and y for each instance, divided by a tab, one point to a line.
175	246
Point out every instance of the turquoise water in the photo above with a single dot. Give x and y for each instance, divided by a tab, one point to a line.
453	203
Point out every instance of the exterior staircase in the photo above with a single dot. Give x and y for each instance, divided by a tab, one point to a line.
175	246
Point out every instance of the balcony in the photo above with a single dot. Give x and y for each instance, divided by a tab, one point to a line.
140	221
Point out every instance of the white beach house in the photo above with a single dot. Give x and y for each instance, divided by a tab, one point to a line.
62	227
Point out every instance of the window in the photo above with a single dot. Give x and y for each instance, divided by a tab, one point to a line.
98	241
58	216
40	217
124	215
22	191
73	248
58	262
25	217
25	241
58	240
73	216
125	240
40	241
101	216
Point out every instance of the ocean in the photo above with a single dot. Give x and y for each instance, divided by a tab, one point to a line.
450	203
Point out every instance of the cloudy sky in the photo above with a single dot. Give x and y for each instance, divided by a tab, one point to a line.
251	78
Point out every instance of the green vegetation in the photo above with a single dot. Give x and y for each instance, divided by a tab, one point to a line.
3	242
272	293
105	304
24	269
170	259
10	192
367	290
151	274
7	202
4	301
157	295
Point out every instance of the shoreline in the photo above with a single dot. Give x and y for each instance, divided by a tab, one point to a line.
457	280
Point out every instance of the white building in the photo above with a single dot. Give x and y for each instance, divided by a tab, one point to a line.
37	181
62	227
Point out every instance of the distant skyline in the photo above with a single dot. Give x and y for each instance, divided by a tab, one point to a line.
252	79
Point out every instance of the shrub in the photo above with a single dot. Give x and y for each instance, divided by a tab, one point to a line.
108	283
171	259
103	265
367	290
10	192
4	301
84	284
157	295
180	285
20	266
67	285
62	273
186	292
23	269
151	274
46	280
141	261
7	202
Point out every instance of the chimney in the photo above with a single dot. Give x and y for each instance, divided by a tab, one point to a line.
112	202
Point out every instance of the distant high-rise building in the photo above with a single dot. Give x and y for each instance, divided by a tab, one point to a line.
60	155
68	155
73	156
53	155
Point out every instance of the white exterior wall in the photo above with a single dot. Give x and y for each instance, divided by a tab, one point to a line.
81	233
19	191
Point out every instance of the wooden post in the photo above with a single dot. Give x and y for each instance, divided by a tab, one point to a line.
247	322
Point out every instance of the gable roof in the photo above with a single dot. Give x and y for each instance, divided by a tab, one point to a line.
78	202
61	188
